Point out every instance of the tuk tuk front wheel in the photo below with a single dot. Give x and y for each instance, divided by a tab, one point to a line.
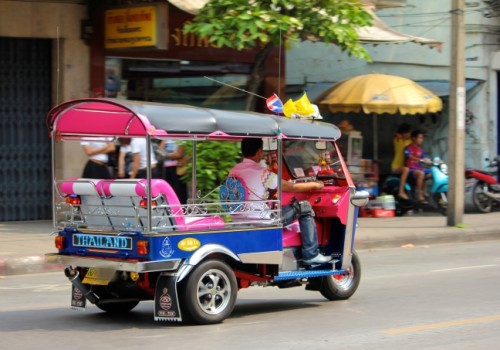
340	287
209	294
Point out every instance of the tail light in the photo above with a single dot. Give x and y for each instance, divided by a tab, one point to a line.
142	247
60	242
73	200
144	203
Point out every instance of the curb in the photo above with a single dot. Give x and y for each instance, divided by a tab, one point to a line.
420	237
26	265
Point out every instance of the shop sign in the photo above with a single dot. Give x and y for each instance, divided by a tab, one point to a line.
133	27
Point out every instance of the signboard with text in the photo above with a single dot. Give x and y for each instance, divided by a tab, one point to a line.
135	27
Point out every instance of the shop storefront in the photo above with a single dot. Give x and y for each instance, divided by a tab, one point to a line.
140	52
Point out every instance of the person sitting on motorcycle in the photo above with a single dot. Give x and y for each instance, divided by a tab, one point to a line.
401	140
414	157
259	180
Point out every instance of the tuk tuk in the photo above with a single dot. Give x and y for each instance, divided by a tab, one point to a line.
123	241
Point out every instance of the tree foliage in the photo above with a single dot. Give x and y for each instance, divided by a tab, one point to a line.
248	24
214	160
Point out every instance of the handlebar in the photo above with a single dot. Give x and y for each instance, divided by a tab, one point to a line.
493	162
305	179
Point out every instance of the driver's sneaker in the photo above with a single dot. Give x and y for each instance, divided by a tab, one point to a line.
318	259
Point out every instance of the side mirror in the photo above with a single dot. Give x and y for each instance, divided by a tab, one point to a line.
360	198
269	144
320	145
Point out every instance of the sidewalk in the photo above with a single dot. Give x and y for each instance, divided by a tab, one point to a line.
24	243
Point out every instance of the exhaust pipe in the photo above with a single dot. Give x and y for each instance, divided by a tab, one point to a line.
494	196
73	275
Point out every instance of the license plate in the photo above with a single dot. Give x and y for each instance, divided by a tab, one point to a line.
102	241
100	277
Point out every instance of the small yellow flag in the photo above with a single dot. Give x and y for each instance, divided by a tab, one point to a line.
303	106
289	108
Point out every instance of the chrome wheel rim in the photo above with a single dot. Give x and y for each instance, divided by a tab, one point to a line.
344	281
214	291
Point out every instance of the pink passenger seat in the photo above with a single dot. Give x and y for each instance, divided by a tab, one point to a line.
120	199
183	222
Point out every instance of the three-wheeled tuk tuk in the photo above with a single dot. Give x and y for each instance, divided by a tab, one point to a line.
123	241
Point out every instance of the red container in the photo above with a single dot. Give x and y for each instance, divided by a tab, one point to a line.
382	213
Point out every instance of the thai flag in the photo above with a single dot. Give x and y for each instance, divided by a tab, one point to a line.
274	104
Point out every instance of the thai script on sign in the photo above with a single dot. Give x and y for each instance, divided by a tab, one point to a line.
129	17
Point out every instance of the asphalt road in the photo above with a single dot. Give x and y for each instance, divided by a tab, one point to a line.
427	297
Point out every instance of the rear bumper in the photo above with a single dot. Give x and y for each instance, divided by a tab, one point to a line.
117	265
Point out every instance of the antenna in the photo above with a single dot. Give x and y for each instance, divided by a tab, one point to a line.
234	87
279	67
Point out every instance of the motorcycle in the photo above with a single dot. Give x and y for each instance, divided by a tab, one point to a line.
437	189
486	190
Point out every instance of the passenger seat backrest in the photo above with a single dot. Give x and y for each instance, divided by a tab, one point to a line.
90	194
138	189
115	204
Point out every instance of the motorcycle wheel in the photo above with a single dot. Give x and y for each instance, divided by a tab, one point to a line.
441	203
482	202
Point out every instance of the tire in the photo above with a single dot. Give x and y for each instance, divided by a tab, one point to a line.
441	204
341	287
482	203
209	294
118	307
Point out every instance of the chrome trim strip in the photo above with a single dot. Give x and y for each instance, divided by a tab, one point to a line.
275	257
208	249
117	265
349	233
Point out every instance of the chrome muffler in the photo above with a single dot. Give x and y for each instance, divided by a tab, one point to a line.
73	275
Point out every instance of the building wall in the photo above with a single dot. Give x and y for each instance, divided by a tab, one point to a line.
59	21
316	62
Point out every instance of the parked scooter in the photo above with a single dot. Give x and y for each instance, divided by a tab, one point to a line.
486	190
438	189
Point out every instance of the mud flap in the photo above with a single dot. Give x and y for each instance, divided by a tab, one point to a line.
78	300
166	299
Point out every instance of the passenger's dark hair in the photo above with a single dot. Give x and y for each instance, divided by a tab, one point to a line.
404	128
250	146
415	133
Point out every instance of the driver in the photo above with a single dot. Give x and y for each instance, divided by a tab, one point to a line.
259	180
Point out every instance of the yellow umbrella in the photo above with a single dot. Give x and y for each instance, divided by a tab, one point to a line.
378	94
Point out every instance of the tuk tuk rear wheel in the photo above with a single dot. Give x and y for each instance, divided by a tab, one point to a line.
341	287
209	294
118	307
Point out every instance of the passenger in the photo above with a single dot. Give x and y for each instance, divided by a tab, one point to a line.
415	156
401	140
98	153
174	153
259	180
137	146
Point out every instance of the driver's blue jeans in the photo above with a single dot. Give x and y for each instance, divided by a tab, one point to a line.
307	231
